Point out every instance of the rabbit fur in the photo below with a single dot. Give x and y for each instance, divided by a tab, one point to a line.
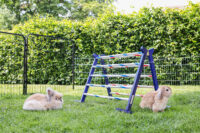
156	100
52	100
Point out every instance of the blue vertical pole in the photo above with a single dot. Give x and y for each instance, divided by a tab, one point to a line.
89	77
136	81
106	78
153	70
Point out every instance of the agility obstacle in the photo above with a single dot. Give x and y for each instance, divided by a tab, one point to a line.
143	54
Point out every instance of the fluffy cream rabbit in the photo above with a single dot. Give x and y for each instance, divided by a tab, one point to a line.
53	100
156	100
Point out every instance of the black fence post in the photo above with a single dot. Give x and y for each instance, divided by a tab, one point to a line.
25	78
73	64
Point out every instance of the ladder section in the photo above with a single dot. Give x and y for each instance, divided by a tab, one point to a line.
119	86
143	54
108	97
120	75
89	78
125	94
120	55
135	83
126	65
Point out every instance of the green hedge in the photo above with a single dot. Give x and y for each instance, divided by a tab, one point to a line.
172	32
11	58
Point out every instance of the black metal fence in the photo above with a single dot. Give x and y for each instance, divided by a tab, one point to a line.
12	63
29	64
35	60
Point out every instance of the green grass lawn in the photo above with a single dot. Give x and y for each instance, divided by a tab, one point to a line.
99	115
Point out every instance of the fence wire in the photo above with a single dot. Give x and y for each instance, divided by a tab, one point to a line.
11	63
30	64
170	71
51	62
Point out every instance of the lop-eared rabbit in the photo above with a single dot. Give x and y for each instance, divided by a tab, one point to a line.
156	100
52	100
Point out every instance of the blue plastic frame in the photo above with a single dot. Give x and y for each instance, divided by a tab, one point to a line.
106	78
153	70
89	77
135	84
136	80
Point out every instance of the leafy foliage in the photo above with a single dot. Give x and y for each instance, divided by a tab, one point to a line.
7	18
72	9
11	59
171	32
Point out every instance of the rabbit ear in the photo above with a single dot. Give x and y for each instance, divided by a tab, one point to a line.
159	95
50	92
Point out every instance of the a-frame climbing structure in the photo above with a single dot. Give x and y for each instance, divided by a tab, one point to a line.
143	54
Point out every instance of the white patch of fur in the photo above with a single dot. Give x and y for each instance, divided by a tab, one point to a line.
33	105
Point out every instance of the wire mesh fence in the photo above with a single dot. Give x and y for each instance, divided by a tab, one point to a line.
170	71
11	63
35	62
178	70
31	63
49	62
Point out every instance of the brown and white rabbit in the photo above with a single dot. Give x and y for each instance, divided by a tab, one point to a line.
53	100
156	100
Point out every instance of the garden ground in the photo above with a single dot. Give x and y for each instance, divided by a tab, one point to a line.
99	115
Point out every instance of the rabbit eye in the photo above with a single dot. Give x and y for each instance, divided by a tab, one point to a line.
59	98
166	89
